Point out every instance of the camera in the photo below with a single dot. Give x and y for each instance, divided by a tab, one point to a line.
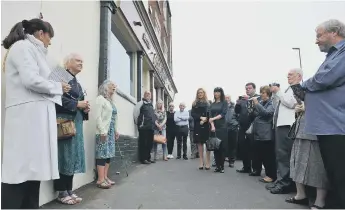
274	84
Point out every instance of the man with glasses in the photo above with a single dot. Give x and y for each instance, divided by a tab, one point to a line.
181	118
325	104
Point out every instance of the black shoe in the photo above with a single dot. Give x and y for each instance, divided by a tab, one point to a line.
304	201
145	162
243	170
231	164
217	170
221	170
280	190
197	156
271	185
152	161
178	157
254	173
185	157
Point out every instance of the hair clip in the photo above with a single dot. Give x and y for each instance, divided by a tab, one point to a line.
40	16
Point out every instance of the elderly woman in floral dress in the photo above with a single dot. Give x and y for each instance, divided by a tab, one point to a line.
106	132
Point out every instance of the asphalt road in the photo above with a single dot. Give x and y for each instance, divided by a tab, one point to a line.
177	184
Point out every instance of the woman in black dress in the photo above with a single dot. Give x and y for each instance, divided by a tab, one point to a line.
218	110
201	127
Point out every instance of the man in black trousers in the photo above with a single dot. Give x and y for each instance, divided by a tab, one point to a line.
144	118
231	119
242	108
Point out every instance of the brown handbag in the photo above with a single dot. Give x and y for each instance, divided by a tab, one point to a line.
66	129
159	139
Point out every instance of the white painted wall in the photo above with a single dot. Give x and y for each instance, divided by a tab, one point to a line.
76	26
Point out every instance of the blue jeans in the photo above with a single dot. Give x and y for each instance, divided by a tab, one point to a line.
155	145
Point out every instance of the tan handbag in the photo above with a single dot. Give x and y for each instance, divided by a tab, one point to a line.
66	129
159	139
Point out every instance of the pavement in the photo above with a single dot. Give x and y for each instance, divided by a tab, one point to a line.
177	184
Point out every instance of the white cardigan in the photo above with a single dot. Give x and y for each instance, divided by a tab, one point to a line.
286	115
103	112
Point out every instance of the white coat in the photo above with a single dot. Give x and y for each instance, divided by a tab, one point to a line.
103	112
30	131
286	113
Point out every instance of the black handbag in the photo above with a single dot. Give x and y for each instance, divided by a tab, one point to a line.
294	128
213	143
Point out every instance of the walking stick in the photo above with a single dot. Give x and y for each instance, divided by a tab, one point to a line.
123	159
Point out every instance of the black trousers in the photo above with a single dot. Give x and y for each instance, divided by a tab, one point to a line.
332	150
182	134
219	156
20	196
283	147
232	145
64	183
145	143
245	147
171	134
263	154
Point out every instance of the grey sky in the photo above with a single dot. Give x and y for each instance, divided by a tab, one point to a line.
229	43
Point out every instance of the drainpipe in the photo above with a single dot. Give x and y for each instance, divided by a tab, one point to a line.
107	9
139	74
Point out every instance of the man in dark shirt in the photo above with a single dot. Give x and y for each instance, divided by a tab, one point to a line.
232	123
193	146
144	118
242	108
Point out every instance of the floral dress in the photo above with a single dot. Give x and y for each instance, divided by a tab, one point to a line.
106	149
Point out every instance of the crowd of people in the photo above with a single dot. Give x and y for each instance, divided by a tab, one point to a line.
296	134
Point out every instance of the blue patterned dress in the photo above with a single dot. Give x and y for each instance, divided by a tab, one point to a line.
71	153
106	149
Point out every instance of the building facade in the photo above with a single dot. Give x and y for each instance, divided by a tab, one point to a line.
128	42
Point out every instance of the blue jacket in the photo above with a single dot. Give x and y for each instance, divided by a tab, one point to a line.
324	99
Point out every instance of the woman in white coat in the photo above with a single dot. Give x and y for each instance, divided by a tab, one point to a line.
30	131
106	132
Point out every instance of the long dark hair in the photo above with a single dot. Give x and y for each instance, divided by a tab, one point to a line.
19	30
221	91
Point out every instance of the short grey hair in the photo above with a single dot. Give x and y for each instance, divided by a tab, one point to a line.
183	104
334	26
68	58
103	89
298	71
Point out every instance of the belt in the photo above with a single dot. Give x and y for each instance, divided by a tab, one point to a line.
181	126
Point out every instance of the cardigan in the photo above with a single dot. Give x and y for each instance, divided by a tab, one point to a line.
103	113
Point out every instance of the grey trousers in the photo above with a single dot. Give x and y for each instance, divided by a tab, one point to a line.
193	146
283	147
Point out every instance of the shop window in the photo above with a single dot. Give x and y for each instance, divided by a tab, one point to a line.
121	69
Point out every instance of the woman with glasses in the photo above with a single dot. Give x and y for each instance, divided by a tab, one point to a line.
199	112
71	150
218	110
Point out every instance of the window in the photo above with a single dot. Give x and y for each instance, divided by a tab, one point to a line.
120	68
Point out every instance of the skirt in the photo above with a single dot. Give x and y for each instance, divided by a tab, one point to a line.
306	164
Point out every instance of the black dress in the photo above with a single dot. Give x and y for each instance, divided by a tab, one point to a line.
201	132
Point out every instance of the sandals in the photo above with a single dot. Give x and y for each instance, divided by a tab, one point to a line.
110	182
76	198
316	207
103	185
67	200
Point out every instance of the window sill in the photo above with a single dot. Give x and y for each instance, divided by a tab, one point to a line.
129	98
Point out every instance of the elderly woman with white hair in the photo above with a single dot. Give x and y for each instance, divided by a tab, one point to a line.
71	154
160	128
106	132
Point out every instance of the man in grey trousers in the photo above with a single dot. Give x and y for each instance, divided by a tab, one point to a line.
283	118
